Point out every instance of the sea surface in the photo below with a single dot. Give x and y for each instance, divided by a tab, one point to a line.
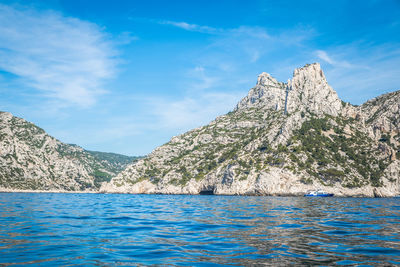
116	229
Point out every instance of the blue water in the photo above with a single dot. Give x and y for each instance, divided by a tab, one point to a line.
114	229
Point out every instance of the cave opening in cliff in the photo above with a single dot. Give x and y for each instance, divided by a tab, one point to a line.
207	191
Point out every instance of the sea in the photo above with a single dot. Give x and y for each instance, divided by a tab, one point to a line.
68	229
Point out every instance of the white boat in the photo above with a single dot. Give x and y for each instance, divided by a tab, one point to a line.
318	193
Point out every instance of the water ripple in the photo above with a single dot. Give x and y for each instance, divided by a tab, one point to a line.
112	229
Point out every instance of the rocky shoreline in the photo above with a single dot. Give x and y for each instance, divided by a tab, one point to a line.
300	194
281	139
150	190
147	188
7	190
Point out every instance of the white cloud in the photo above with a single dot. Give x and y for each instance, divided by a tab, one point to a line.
249	39
324	56
219	76
200	80
250	43
361	71
252	32
64	58
192	111
190	27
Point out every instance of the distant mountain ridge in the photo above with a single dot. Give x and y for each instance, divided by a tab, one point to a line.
257	149
30	159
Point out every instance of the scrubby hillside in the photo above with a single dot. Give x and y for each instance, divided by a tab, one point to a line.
30	159
260	149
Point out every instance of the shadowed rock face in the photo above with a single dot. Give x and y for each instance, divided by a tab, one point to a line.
30	159
258	150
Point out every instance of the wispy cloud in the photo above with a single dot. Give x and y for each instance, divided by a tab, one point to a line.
190	27
323	55
254	32
64	58
191	111
247	38
360	71
248	43
221	73
160	118
251	42
200	79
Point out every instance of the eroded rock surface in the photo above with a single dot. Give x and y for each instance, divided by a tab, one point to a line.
30	159
258	149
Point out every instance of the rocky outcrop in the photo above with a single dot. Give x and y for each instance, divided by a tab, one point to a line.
381	115
308	91
30	159
259	149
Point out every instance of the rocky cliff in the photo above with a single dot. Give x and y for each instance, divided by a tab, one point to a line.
30	159
259	149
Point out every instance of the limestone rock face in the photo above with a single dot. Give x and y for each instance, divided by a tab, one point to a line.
268	92
30	159
258	149
309	90
312	92
382	114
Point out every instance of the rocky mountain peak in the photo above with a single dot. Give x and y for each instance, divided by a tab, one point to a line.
310	91
268	92
265	79
258	149
310	72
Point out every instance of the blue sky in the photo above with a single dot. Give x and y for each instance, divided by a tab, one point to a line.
126	76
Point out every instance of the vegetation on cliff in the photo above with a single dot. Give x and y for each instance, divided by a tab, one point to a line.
320	140
32	160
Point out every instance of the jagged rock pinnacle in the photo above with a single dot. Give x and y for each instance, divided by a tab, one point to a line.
310	91
265	79
258	149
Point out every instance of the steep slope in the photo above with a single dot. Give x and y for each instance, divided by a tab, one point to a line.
310	91
259	149
32	160
382	117
382	120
